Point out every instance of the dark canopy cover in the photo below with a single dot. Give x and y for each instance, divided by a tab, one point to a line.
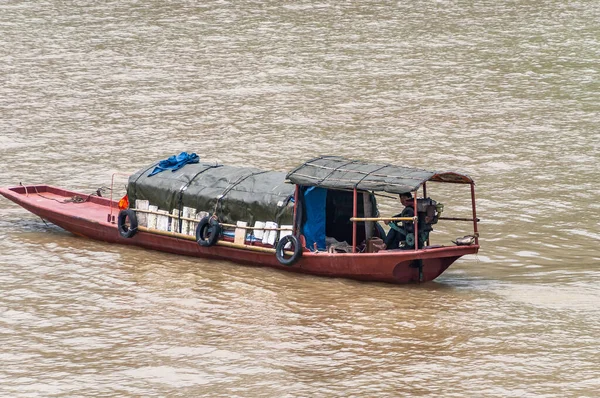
335	172
233	193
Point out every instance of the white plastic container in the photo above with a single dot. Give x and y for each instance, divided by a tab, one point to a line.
185	224
270	236
152	217
142	218
259	233
240	233
162	220
192	224
175	220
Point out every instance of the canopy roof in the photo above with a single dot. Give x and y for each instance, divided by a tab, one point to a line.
335	172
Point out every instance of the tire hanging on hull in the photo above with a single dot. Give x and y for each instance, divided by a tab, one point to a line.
208	231
280	250
127	230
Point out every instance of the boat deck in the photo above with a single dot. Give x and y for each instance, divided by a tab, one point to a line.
56	200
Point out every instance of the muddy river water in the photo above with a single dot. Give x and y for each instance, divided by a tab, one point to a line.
507	92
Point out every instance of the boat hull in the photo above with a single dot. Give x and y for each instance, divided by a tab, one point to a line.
94	217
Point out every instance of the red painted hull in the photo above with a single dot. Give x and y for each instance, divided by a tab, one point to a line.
90	219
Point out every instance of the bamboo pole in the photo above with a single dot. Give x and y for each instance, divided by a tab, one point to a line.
248	247
166	233
407	219
357	219
248	227
222	224
219	242
162	214
457	219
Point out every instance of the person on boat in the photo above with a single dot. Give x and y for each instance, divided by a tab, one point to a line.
400	229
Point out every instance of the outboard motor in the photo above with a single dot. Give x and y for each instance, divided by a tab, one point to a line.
428	211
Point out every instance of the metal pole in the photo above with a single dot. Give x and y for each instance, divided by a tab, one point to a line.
474	214
112	183
416	222
425	196
295	227
354	215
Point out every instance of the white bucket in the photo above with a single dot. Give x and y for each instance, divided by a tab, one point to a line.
259	233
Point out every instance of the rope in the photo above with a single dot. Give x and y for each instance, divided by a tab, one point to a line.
307	163
72	199
231	186
184	188
368	174
333	171
24	186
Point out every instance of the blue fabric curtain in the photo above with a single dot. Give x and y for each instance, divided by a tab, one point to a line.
314	227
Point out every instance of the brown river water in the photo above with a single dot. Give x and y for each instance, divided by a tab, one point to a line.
505	91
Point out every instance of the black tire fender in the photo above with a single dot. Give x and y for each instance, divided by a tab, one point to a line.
208	231
125	230
280	250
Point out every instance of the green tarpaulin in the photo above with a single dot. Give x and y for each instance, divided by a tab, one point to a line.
335	172
232	193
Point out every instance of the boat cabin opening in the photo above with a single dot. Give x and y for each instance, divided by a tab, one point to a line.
332	221
327	214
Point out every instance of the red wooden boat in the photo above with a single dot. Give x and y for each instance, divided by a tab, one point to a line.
299	248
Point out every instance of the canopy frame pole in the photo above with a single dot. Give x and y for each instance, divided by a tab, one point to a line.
111	218
355	204
354	214
427	243
475	232
295	227
416	222
333	171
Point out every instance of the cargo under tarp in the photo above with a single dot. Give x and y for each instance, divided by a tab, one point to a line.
232	193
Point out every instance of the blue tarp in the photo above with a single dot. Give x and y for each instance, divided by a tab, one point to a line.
174	163
314	226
